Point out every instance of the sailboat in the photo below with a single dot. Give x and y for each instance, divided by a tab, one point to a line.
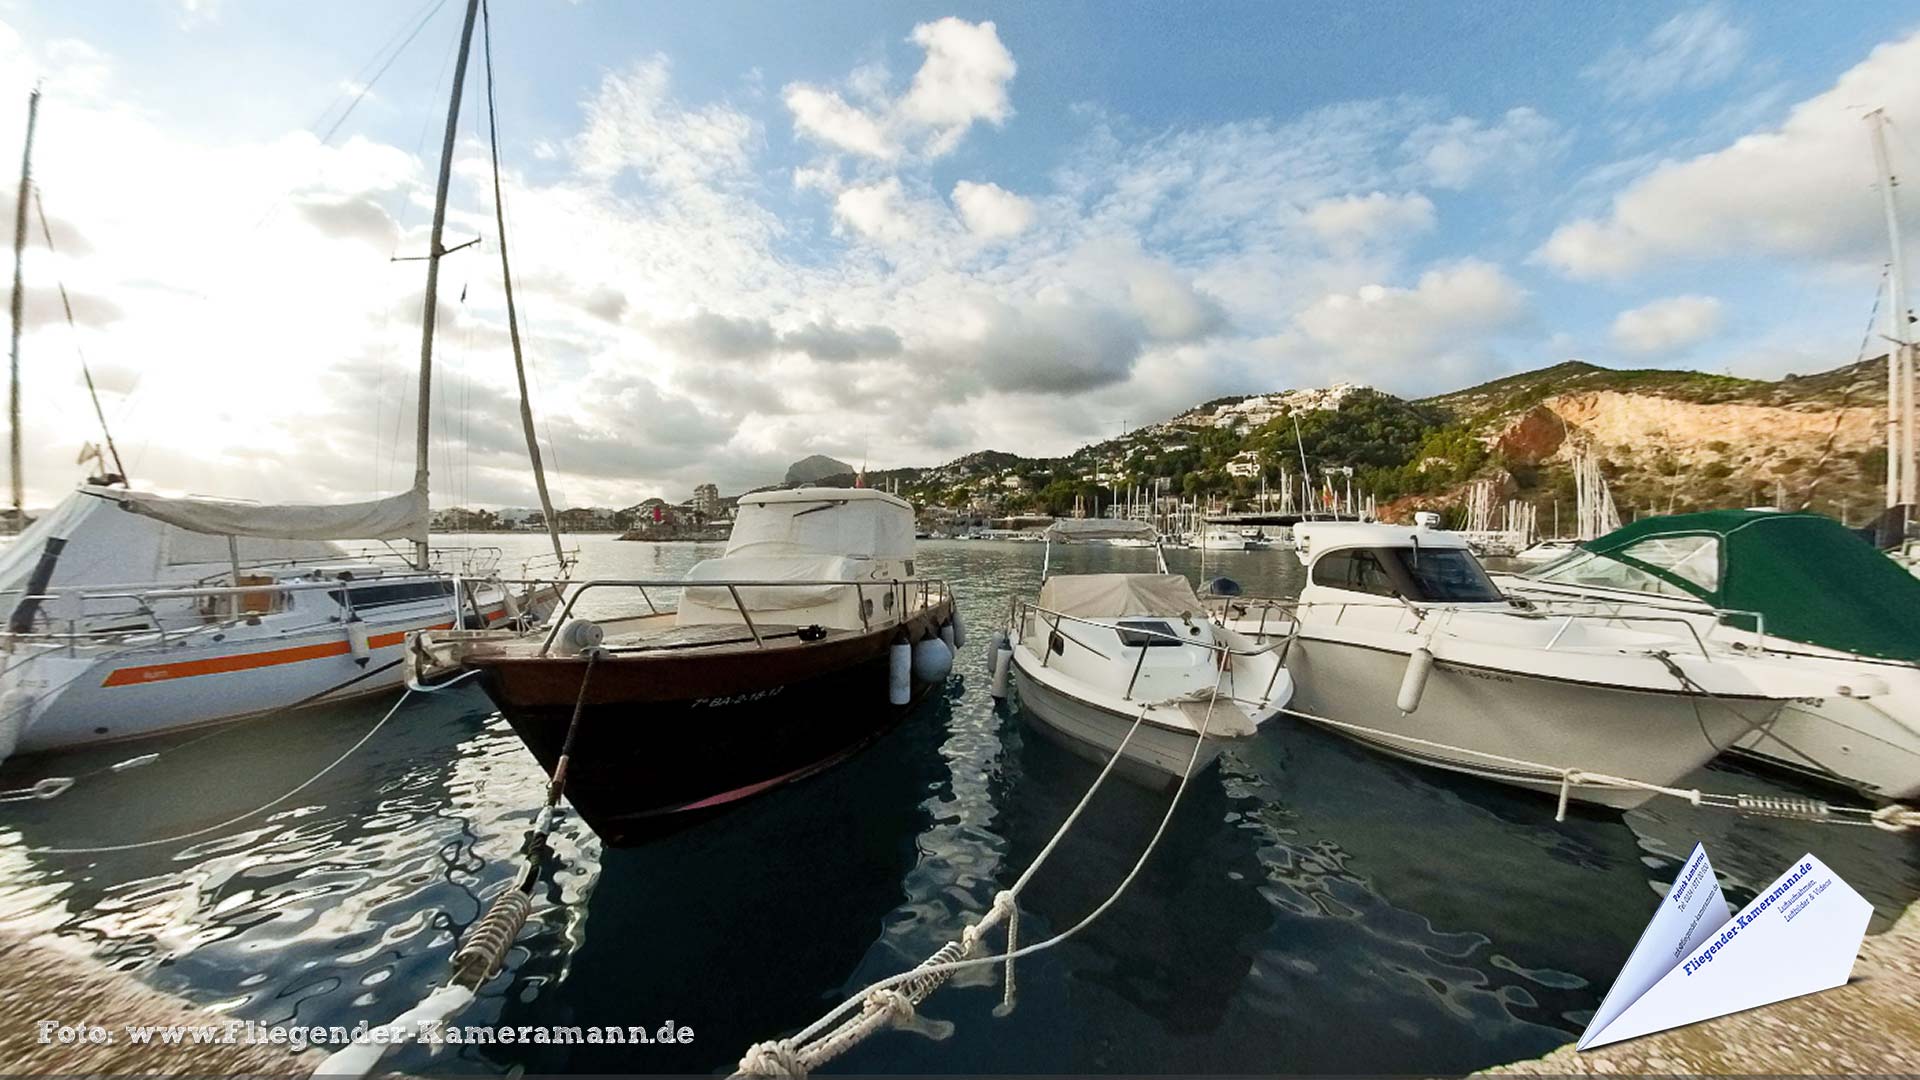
131	614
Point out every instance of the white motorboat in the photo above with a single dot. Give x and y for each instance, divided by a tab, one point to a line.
1217	538
1401	641
1798	587
1100	656
1545	551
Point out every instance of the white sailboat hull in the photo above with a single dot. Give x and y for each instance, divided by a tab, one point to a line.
90	694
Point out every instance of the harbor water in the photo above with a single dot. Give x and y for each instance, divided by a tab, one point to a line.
1313	906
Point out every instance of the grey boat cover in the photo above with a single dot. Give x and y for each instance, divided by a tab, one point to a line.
1071	530
1109	596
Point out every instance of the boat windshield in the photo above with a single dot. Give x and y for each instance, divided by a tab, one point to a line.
1424	575
1600	571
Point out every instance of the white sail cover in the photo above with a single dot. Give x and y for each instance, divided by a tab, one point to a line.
1070	530
397	517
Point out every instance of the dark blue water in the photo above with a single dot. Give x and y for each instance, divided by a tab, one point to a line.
1312	907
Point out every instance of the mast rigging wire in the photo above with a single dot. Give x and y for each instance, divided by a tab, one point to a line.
46	231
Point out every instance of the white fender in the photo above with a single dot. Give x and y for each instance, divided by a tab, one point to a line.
1002	666
932	660
946	635
900	673
357	640
959	631
1414	683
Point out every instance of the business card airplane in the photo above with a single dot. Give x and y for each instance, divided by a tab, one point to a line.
1697	960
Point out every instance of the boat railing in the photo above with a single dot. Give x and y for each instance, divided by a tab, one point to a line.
931	592
1024	610
1446	612
69	605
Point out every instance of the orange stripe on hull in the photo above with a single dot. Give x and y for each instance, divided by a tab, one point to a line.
217	665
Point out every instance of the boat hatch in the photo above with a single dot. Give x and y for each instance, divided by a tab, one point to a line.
1147	633
1433	575
369	597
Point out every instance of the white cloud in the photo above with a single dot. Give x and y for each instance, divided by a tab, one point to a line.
1667	325
634	123
1350	220
1383	326
991	211
962	80
1460	151
1693	49
1802	189
877	211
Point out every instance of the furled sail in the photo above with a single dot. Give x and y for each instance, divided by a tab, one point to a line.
396	517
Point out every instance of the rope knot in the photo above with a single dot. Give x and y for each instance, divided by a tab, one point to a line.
1896	818
778	1057
897	1006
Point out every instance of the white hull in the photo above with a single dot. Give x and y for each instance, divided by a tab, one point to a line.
90	694
1156	756
1869	743
1650	736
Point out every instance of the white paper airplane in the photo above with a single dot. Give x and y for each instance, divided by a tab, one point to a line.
1800	935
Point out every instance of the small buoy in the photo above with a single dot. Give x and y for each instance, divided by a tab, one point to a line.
579	636
357	640
932	660
1002	665
959	632
946	635
900	672
1414	683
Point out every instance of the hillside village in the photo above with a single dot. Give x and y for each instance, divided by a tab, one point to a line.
1666	441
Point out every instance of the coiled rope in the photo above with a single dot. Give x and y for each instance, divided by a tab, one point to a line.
892	1001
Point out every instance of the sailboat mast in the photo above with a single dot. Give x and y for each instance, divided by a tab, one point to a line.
431	301
1901	479
513	318
19	255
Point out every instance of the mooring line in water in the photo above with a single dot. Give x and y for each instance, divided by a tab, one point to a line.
481	956
892	1001
304	785
1893	817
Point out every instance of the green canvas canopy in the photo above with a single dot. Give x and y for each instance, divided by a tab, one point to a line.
1808	577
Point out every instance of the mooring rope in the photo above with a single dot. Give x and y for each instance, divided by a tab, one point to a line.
261	809
484	952
892	1001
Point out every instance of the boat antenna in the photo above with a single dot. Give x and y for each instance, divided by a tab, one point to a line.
513	318
1901	485
429	303
119	469
19	253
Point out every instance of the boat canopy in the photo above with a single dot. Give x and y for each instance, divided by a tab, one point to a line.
1073	530
846	522
1110	596
397	517
1808	577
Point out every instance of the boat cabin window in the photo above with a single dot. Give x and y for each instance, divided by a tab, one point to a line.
1354	569
366	597
1424	575
1586	568
1692	558
1147	633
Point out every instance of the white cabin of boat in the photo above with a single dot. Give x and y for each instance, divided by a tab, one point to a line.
817	536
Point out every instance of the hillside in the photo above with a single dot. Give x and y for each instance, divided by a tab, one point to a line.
1668	440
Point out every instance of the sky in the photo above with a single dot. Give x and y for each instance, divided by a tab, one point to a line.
899	232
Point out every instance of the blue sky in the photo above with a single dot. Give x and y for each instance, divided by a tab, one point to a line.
903	231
